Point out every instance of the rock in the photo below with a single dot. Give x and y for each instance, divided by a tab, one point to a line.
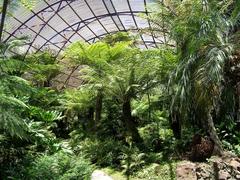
186	171
100	175
238	177
221	168
218	164
204	171
235	164
223	175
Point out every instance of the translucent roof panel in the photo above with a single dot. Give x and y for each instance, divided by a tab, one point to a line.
56	23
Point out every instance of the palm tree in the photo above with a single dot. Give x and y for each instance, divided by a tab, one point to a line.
201	31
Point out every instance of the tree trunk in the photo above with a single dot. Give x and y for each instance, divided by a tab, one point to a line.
129	122
98	108
237	104
218	149
47	83
175	124
90	119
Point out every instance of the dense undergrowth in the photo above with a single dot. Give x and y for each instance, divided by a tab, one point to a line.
136	111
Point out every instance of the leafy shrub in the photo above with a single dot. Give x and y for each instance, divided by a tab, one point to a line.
80	170
13	158
183	145
103	152
236	149
150	135
60	166
158	137
165	171
229	134
153	157
132	160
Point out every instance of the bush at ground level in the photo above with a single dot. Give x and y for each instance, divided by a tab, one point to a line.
60	166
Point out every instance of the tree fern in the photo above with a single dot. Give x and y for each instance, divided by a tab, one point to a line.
10	112
42	67
12	89
96	61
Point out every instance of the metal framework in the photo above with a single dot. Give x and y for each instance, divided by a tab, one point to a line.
4	11
55	24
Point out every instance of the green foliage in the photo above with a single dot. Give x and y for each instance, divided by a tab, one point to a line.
26	118
14	159
45	98
164	171
42	67
102	152
43	115
78	99
60	166
13	91
188	74
11	121
111	65
132	160
230	136
113	39
158	135
96	60
12	47
14	4
200	71
138	72
150	134
42	137
117	72
96	56
29	4
201	31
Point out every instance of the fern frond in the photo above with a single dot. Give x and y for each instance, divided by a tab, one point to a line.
10	116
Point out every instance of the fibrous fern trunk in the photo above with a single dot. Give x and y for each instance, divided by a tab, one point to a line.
98	107
237	104
90	119
129	122
175	123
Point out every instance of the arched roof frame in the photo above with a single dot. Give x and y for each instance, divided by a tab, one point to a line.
103	17
56	23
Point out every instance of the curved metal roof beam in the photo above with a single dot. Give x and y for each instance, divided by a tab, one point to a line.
31	17
85	21
112	8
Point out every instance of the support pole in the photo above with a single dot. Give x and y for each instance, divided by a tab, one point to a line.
4	11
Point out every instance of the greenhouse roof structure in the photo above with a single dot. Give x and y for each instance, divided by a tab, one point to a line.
56	23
